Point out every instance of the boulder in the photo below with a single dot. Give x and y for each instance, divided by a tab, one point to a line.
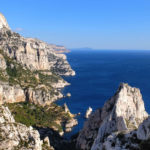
88	112
68	95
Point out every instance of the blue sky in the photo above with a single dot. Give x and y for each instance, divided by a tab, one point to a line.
99	24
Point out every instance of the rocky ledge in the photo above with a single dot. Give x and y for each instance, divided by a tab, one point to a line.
119	125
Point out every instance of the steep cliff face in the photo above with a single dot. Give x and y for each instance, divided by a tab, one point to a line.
33	53
30	69
123	112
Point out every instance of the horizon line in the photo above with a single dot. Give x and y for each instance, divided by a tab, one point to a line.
103	49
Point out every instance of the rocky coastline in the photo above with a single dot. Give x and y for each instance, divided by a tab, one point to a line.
30	81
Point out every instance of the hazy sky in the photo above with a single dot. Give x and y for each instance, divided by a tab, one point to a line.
100	24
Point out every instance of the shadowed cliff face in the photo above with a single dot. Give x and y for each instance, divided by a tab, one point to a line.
123	112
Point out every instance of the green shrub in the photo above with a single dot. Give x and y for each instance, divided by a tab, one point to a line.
35	115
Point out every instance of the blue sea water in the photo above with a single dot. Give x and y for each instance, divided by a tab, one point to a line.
98	75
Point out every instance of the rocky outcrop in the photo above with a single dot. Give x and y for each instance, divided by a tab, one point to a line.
3	22
41	97
88	112
137	139
68	95
65	107
70	124
11	94
123	112
60	84
15	135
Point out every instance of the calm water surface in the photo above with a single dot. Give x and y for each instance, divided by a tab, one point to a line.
98	75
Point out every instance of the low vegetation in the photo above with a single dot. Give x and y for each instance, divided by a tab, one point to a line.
37	116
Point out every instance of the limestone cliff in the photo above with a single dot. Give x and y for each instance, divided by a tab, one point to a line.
30	69
123	112
33	53
11	94
18	83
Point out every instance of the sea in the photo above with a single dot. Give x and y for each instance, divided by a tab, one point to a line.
98	75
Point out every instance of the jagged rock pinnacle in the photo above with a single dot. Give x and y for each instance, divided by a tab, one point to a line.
124	111
3	22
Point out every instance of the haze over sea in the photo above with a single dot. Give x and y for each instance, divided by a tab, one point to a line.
98	75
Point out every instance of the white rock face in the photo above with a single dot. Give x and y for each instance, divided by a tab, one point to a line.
88	112
123	112
2	63
15	135
3	22
34	54
11	94
14	93
41	97
127	113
